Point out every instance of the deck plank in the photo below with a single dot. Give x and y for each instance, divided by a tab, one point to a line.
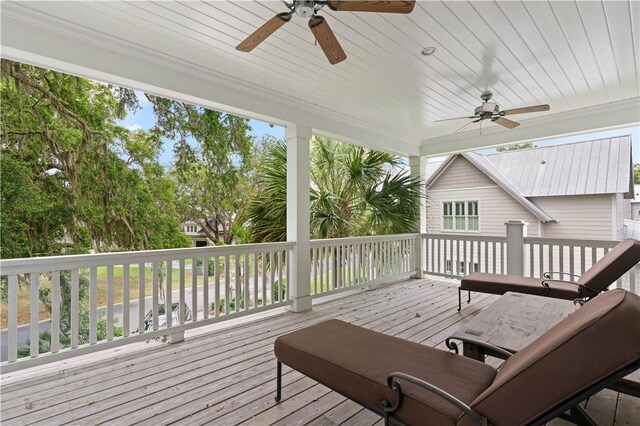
224	374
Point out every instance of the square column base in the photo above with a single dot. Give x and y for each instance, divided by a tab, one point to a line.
301	304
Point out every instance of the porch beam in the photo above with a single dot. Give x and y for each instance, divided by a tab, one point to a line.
600	117
298	214
417	166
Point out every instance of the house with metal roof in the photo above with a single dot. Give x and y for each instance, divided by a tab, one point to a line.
577	191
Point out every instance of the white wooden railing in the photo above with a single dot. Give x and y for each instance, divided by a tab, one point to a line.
344	263
457	255
126	292
570	258
223	282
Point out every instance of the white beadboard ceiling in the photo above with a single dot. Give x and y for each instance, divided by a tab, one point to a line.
571	55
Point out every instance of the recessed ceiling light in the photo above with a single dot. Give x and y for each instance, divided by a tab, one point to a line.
428	51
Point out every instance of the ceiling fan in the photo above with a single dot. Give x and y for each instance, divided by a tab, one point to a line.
491	111
319	27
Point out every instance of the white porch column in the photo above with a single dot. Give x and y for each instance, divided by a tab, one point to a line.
516	232
298	220
417	166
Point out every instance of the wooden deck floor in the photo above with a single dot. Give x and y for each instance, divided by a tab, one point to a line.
225	375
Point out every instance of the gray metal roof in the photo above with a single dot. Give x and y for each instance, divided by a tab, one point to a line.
503	181
594	167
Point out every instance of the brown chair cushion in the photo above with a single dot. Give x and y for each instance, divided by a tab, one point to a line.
612	265
500	284
592	343
356	361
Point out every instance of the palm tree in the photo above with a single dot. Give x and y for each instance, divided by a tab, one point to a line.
354	192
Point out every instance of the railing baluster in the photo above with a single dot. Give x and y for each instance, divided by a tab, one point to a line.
281	295
126	327
194	289
274	293
288	265
238	285
141	296
264	278
182	302
75	312
550	257
561	261
155	284
246	270
216	286
12	307
314	268
93	305
227	285
255	280
34	315
110	301
582	260
55	311
205	287
168	298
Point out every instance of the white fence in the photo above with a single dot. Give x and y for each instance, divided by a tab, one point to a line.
101	301
457	255
344	263
90	302
201	285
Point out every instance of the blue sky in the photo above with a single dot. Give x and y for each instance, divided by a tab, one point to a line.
144	119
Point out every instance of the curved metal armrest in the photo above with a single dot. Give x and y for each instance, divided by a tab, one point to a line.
548	275
392	382
454	346
545	284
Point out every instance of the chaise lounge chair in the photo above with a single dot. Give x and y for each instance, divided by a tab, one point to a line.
409	383
624	256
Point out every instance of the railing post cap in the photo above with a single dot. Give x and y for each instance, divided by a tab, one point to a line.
517	222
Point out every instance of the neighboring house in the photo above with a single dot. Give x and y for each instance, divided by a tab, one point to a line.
574	191
194	231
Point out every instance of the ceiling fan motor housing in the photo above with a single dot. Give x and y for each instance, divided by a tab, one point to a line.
487	109
306	9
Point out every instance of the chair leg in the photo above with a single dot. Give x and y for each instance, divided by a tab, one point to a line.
469	296
459	300
577	415
279	382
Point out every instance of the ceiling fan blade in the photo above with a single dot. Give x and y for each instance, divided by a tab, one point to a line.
533	108
464	127
268	28
393	6
327	40
456	118
505	122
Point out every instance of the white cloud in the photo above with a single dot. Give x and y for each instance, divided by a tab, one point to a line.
135	126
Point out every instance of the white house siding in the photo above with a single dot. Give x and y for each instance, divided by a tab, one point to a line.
461	174
586	217
495	208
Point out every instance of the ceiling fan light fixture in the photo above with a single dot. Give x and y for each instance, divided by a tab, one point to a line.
428	51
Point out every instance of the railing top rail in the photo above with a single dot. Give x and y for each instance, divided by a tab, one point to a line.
366	239
571	242
465	237
57	263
